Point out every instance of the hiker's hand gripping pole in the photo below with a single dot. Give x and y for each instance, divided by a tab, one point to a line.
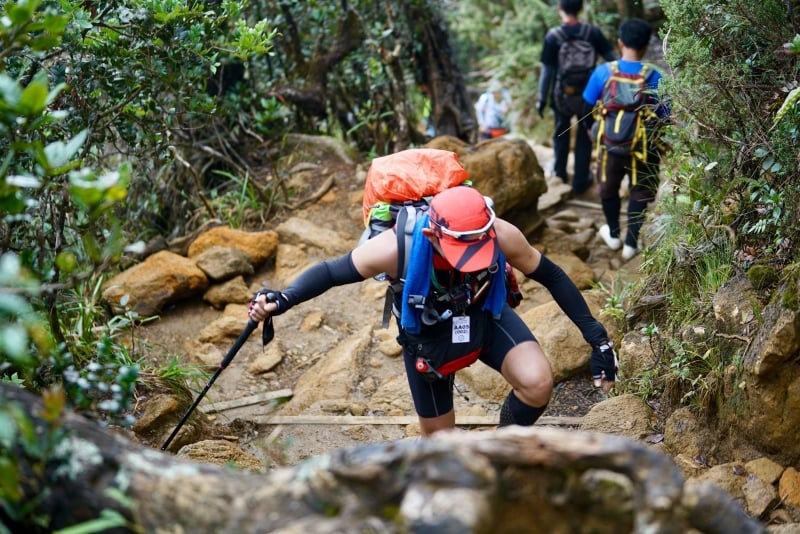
267	335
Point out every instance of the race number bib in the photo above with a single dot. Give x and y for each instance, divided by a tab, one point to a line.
461	329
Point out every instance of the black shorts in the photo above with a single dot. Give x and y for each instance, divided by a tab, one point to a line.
432	399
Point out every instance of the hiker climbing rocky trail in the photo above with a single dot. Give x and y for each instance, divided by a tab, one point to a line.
331	359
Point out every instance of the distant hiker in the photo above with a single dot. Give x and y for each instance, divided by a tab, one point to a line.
492	111
569	55
453	305
630	118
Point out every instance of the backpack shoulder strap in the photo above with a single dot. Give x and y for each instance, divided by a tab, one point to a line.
561	35
406	220
586	31
404	230
648	70
613	68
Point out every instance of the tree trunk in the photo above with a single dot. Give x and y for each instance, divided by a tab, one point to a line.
452	110
477	482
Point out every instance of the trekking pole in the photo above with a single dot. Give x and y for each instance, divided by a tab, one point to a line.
251	325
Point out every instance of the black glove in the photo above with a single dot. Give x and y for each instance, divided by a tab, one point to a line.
277	297
268	330
603	363
540	108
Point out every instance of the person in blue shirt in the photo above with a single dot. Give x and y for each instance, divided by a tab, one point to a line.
634	37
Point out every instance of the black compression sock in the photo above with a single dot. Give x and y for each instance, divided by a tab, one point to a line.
635	220
516	412
611	207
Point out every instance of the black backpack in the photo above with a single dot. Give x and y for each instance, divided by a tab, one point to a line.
576	60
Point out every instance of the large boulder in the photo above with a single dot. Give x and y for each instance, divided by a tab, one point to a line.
163	278
506	170
514	479
257	245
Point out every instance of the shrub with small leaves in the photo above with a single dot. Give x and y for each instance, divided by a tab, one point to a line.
104	385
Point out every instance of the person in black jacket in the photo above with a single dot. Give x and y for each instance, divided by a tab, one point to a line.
550	90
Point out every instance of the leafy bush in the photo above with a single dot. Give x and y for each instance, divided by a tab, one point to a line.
732	54
67	210
730	198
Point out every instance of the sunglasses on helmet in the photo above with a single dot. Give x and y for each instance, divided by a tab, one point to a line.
467	235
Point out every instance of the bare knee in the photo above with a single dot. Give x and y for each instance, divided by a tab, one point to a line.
528	371
536	391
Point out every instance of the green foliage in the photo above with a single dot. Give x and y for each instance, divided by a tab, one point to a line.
59	228
618	296
694	371
21	493
234	205
175	375
21	327
791	299
109	519
725	53
762	276
504	40
687	369
50	456
789	104
104	384
731	200
148	76
692	255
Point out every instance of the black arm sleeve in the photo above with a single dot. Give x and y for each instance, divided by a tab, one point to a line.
319	278
546	83
569	299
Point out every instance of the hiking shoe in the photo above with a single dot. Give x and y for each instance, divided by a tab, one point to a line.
613	242
628	252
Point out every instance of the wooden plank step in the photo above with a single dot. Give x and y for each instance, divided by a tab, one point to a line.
245	401
464	420
584	204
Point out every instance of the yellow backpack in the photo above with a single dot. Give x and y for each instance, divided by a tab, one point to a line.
626	109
